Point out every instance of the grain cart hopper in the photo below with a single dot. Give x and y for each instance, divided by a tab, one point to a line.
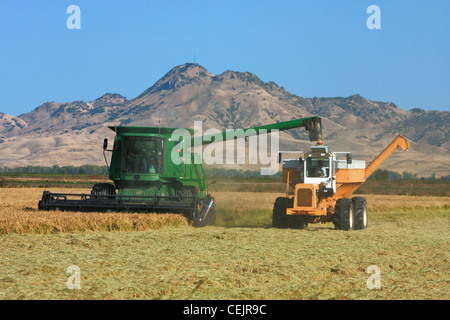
319	186
146	179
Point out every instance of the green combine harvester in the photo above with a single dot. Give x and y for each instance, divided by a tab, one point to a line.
145	178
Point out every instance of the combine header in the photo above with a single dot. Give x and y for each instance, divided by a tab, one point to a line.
146	179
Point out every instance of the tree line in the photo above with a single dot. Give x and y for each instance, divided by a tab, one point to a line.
81	170
382	174
379	174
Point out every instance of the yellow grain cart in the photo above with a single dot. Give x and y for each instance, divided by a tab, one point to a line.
319	185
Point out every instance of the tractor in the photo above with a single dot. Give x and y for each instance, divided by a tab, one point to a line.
319	184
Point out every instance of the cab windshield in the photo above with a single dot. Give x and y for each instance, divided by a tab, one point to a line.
317	167
143	155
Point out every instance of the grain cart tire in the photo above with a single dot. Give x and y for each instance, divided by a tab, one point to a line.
103	189
343	214
279	218
360	213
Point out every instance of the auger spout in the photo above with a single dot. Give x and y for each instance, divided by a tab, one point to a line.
398	142
312	124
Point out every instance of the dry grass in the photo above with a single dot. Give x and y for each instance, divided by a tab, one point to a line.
254	209
391	202
264	200
408	239
19	214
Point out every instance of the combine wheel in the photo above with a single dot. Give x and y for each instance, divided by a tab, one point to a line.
103	189
343	214
360	213
205	215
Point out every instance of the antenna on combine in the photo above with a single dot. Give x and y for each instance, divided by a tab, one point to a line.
158	123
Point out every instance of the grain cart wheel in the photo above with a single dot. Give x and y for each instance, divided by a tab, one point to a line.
343	214
360	213
279	218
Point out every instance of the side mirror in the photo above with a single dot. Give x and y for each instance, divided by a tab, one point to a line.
105	144
349	158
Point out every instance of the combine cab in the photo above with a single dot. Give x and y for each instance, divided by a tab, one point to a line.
146	179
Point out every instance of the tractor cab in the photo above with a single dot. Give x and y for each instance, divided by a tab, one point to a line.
319	169
314	170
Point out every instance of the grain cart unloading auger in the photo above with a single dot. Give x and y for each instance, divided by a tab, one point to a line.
146	179
318	187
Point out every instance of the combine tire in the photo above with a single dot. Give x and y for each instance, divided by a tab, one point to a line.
103	189
279	218
343	214
360	213
206	216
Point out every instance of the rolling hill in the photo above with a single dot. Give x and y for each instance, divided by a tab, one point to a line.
71	133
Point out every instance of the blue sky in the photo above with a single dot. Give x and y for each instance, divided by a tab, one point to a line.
311	48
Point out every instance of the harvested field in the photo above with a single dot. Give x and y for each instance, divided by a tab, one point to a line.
162	257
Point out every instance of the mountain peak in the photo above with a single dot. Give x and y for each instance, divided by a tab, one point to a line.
188	66
8	123
179	76
110	95
244	76
357	98
187	70
108	99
